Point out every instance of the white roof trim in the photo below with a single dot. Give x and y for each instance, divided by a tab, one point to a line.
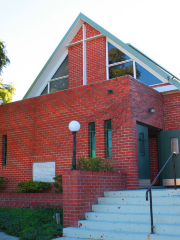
166	88
138	61
54	64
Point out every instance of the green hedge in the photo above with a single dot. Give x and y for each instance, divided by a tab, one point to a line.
96	164
31	224
32	186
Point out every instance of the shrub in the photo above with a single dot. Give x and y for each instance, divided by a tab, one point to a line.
58	183
32	186
2	182
97	164
31	224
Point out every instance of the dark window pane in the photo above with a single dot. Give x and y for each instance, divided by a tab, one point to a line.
121	70
4	149
109	153
145	76
108	139
108	125
115	55
58	85
93	136
92	140
45	91
92	127
109	143
62	70
93	153
109	134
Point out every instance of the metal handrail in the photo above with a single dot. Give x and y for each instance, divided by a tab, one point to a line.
149	189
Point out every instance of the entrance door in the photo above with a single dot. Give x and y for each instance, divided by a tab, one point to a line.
165	140
143	156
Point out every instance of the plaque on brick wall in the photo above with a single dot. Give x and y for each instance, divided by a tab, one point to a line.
44	171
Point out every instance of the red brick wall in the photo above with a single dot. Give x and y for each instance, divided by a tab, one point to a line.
90	31
153	155
79	36
141	98
75	66
82	188
96	60
37	128
33	200
172	110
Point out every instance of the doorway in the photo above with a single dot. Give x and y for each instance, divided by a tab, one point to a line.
143	155
166	139
148	160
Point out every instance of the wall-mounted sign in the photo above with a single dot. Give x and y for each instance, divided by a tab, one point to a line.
44	171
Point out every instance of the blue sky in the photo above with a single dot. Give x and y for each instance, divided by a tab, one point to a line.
32	29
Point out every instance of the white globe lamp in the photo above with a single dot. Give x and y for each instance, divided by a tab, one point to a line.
74	127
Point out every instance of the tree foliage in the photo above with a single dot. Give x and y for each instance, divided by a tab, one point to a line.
6	90
4	60
115	55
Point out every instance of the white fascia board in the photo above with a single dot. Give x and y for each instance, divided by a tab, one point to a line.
84	56
166	88
48	73
55	63
138	61
107	60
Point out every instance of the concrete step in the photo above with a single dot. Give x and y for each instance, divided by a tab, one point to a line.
130	226
125	208
142	193
67	238
172	200
125	215
116	235
133	217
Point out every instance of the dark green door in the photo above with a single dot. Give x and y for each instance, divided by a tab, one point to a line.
143	155
165	139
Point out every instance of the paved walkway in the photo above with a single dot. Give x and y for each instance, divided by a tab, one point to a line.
4	236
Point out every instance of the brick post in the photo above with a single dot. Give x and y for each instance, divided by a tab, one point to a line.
81	189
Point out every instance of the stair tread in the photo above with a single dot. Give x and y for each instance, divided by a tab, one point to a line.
99	204
134	220
143	214
69	238
120	232
145	189
142	197
123	222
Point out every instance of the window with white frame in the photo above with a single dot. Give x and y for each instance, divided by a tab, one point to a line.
120	64
59	81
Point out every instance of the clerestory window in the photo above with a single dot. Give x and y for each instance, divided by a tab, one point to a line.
120	64
59	81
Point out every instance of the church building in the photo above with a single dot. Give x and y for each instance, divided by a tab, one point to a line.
128	107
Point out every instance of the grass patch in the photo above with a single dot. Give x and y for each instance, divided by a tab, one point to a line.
31	224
